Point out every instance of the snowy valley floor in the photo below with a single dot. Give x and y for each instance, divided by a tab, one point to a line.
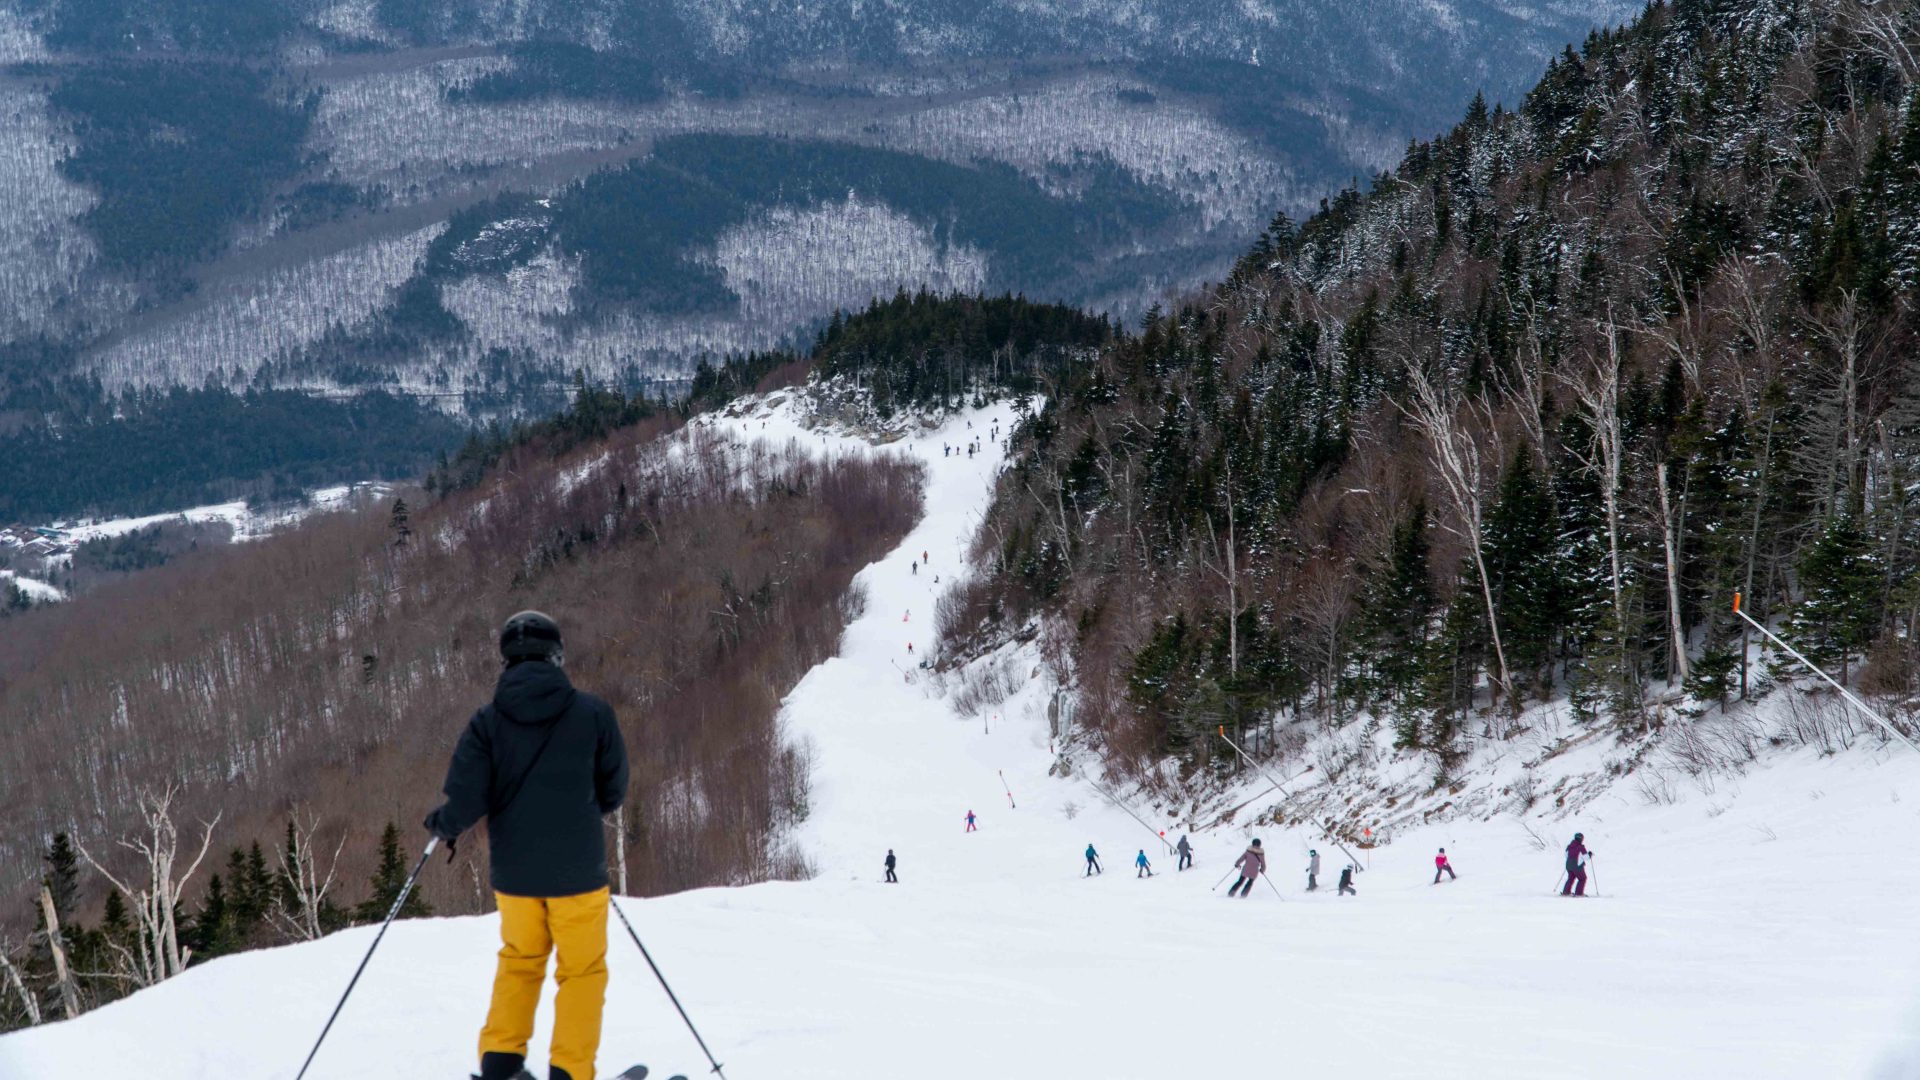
1763	931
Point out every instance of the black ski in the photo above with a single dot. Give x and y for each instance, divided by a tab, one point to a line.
639	1072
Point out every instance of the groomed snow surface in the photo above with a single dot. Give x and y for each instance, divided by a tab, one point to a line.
1765	931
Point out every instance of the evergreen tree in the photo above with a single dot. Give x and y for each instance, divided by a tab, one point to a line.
401	523
1842	578
1449	676
62	877
1519	550
389	877
212	933
1395	609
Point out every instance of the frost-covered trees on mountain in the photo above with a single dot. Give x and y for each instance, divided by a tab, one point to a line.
1045	132
1649	330
43	249
228	335
793	266
1169	148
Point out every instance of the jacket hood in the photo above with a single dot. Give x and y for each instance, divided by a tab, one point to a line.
532	692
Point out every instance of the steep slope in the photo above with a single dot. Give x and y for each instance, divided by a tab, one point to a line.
1732	936
1513	427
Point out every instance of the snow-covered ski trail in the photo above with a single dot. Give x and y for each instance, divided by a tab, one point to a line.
1762	932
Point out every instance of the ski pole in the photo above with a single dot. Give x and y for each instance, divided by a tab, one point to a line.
1594	874
1160	836
1009	791
1276	889
1810	666
432	843
670	994
1223	879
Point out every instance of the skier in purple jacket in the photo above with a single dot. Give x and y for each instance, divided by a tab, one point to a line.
1577	855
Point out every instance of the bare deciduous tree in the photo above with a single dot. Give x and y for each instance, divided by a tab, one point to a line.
1457	462
160	955
28	1003
56	945
1597	393
1669	539
305	882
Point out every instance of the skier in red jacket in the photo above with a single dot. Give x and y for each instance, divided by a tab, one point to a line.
1441	866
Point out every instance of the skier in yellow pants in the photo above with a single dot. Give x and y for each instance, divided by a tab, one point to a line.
543	763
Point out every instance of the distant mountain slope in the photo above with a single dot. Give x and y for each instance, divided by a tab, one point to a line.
249	195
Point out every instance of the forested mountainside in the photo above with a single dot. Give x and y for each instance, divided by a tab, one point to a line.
467	202
1519	420
303	690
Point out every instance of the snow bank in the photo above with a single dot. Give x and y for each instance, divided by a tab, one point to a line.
247	524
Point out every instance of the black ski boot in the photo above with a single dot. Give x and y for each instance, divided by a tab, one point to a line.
498	1066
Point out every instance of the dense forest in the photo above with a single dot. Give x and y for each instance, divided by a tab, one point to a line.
643	232
142	453
925	351
177	153
1519	420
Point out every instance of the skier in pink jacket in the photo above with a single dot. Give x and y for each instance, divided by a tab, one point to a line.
1441	866
1251	864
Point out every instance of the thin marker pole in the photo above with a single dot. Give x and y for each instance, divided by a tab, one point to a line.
1157	835
1811	666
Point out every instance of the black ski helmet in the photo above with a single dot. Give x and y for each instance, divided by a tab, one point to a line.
1256	843
530	635
1579	836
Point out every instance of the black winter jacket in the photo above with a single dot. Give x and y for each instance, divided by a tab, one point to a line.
548	841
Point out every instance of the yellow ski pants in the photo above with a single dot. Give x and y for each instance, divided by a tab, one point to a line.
575	927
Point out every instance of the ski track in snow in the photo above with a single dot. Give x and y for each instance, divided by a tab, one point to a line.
1761	932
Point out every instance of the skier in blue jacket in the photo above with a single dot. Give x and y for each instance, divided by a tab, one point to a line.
1093	862
1142	868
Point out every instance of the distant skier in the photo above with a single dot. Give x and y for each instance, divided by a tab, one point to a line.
1346	881
1186	853
970	825
916	568
891	880
1442	866
1313	870
543	763
1251	864
926	557
1141	867
1093	862
1577	855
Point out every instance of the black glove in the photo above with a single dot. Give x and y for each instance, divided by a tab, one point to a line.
435	826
